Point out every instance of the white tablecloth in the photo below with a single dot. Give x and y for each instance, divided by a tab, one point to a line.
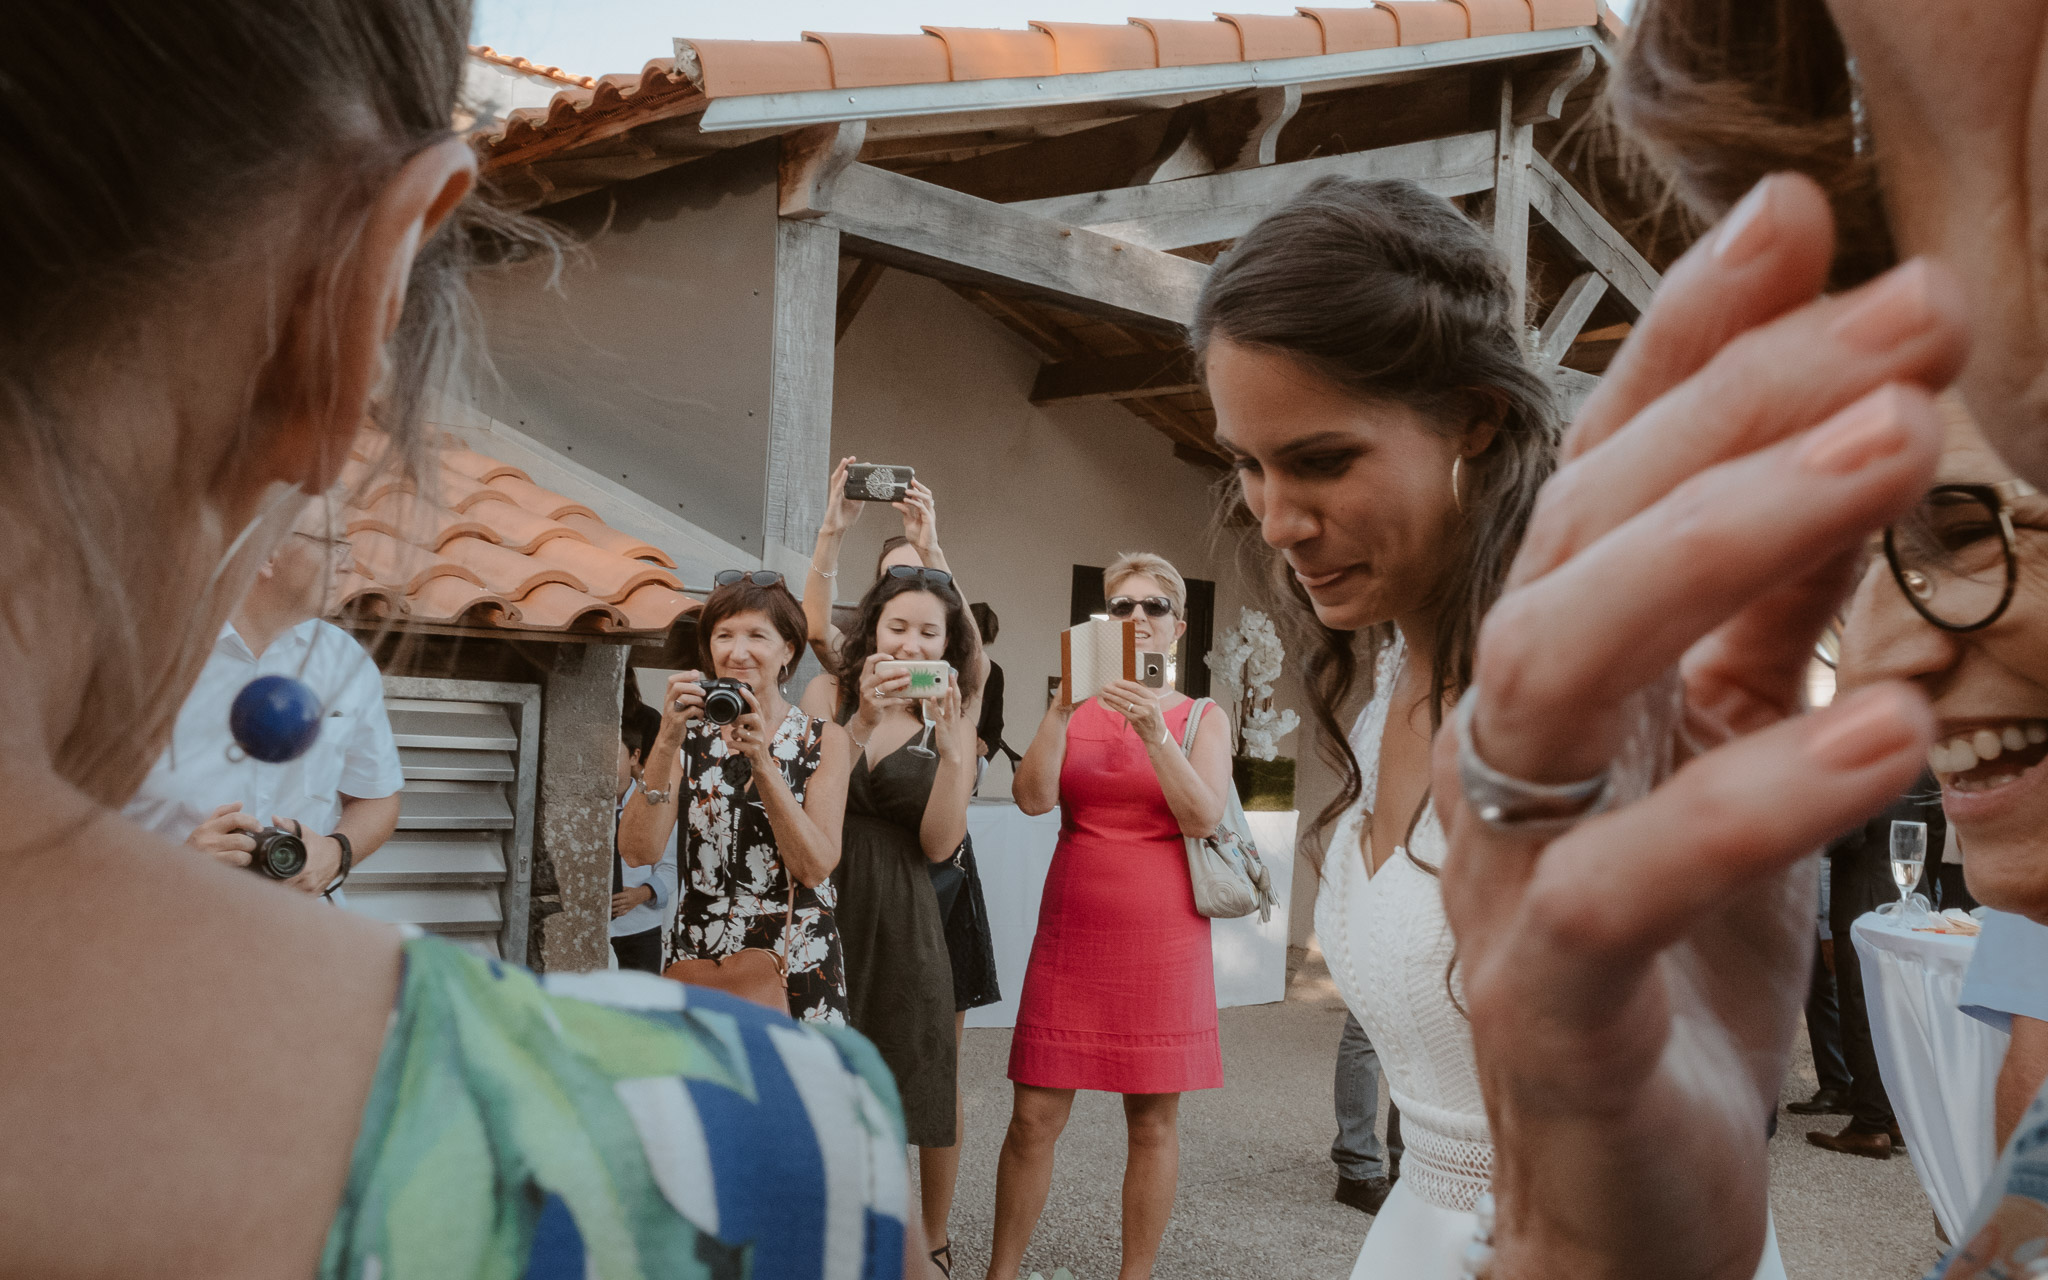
1940	1066
1014	851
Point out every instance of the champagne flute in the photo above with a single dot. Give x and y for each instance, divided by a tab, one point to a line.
922	747
1909	857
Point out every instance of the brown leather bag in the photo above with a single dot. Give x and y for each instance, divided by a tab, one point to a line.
751	973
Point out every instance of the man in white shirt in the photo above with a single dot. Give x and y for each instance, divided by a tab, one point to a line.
641	896
342	795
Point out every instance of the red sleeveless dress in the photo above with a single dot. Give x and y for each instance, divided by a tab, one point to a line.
1120	994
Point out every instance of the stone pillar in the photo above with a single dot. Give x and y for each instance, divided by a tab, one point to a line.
579	778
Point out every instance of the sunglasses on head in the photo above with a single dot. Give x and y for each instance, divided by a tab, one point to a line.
758	577
930	577
1154	606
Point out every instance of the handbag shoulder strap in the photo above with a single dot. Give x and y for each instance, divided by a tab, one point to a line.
1187	733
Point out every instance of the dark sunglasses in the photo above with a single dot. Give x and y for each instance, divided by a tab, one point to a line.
930	577
1154	606
758	577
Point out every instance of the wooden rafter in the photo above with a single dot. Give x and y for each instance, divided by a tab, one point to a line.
1146	373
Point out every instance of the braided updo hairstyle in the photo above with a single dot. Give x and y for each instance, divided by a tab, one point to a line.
1394	295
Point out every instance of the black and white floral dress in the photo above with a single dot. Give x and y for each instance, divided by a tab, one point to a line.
734	885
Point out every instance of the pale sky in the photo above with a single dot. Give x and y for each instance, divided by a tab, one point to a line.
597	37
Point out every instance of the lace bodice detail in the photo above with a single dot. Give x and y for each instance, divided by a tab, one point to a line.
1389	948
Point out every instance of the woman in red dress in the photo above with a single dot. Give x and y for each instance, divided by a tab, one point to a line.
1121	993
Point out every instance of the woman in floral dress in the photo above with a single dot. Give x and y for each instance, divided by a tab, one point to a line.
762	800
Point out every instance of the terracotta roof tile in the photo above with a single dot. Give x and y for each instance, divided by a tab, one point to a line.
555	607
1184	43
600	534
604	574
1081	47
541	502
488	54
1428	21
1497	17
497	563
734	68
1265	36
1349	30
707	69
978	53
1553	14
858	61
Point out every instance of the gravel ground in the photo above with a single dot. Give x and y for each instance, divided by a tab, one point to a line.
1256	1178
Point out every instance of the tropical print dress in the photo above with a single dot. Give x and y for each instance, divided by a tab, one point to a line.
735	890
615	1126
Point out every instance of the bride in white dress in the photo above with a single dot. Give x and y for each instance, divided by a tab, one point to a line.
1374	392
1390	953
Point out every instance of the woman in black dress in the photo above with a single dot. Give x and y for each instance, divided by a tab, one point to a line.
906	813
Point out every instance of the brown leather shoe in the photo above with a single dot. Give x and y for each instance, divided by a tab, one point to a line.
1854	1142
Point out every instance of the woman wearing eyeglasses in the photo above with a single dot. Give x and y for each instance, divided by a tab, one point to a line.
1120	994
765	797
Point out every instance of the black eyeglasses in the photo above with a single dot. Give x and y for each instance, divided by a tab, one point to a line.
759	577
1954	557
1154	606
930	577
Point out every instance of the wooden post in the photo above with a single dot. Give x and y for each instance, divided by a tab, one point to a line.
1514	146
800	391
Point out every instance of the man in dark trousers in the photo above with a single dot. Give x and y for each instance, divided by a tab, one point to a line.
1860	880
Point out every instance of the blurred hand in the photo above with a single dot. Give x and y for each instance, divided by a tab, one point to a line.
630	897
1634	984
840	510
229	835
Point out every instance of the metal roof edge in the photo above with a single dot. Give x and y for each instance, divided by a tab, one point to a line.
822	106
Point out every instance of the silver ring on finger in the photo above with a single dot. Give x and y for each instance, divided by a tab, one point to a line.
1516	806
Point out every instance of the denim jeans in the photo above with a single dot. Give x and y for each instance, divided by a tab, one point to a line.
1357	1151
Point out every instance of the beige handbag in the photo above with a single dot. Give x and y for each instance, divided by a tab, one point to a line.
758	974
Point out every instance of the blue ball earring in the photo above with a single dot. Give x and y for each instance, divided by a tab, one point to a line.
275	719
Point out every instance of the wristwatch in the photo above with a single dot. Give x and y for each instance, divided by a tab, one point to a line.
655	797
348	859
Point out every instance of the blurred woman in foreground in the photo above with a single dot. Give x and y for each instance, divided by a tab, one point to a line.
230	229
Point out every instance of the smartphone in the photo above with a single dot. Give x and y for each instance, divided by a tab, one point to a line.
1152	670
875	482
927	679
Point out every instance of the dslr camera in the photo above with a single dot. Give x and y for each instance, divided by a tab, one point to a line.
724	700
279	854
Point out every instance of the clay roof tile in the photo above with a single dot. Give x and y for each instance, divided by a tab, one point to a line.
732	68
479	468
1349	30
979	53
1428	21
1497	17
605	574
355	594
504	571
860	60
1553	14
616	541
541	502
505	521
653	606
555	607
1276	36
457	600
1184	43
402	566
1080	47
404	517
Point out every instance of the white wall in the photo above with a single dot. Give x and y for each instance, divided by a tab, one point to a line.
1024	493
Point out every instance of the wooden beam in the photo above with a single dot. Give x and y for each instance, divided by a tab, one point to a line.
934	231
1223	206
1569	316
800	388
1051	340
1606	250
1147	373
812	160
866	275
1514	148
1540	92
1272	107
1572	389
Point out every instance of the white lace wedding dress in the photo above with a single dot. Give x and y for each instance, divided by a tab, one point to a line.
1389	949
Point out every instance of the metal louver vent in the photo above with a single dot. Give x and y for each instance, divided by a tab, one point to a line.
461	862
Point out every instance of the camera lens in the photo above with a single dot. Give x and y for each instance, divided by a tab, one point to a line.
279	854
723	704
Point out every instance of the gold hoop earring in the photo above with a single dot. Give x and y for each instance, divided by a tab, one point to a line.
1457	500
